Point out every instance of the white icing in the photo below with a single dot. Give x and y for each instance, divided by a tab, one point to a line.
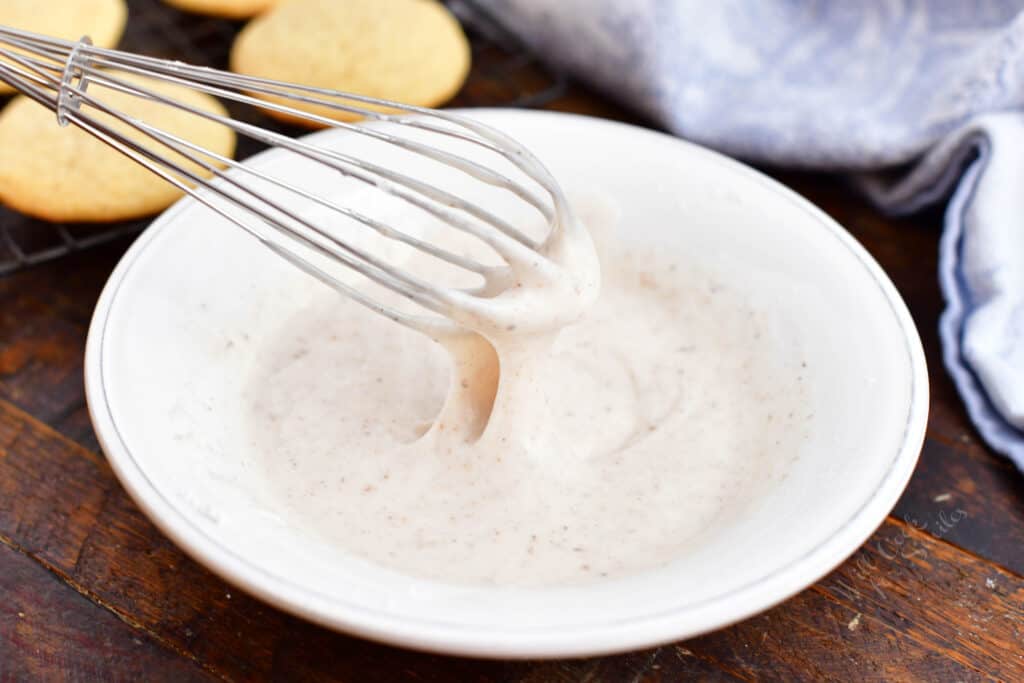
615	437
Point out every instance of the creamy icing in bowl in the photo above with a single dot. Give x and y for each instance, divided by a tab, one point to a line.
647	421
797	426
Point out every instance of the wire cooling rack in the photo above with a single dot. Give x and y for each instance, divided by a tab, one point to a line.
504	74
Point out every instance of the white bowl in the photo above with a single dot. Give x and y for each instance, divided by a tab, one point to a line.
165	398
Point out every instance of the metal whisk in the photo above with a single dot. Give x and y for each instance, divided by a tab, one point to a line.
58	74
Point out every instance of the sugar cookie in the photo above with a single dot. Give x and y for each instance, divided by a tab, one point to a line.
411	51
102	20
64	174
229	9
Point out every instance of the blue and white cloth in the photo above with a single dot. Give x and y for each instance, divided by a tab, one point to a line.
853	86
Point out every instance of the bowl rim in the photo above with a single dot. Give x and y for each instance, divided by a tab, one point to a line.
452	637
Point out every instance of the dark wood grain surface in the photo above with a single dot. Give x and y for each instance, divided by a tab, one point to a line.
90	590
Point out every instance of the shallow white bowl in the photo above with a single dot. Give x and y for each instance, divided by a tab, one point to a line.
165	400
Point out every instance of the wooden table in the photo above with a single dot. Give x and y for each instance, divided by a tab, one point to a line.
90	590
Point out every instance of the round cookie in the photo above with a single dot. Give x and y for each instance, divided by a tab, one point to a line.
65	174
102	20
229	9
411	51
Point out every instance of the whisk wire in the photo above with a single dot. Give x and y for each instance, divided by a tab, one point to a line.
57	74
366	170
206	80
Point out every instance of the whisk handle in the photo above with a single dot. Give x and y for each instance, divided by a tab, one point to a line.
73	68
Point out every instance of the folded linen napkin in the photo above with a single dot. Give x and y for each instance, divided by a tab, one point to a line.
846	86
